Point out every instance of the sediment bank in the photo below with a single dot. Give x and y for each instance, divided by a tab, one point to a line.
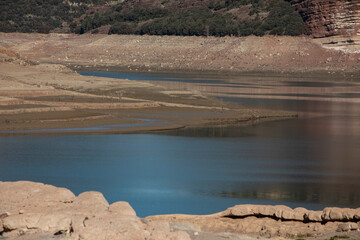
53	99
176	53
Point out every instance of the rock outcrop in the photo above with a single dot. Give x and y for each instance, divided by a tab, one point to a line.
281	212
28	208
326	18
31	210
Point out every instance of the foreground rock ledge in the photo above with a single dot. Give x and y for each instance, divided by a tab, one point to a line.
31	210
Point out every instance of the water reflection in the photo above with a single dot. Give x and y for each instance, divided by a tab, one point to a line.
313	159
294	165
311	162
171	174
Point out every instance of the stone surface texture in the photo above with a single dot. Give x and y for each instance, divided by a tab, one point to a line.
298	214
38	211
30	209
326	18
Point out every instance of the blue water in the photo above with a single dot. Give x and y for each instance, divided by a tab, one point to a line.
311	162
172	174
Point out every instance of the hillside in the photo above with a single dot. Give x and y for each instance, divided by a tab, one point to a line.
153	17
42	16
178	53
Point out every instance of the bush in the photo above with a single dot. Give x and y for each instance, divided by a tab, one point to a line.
129	17
192	22
283	20
39	15
122	28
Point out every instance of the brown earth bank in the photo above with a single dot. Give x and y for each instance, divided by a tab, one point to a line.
36	99
176	53
30	210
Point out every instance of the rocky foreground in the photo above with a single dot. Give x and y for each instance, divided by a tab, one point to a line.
31	210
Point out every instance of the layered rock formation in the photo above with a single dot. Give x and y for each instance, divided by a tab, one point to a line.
330	17
298	214
37	211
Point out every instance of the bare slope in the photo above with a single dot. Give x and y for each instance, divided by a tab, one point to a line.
175	53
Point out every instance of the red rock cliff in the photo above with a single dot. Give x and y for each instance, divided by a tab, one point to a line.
330	17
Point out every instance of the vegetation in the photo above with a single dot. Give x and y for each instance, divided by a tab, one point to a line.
216	19
40	15
192	22
116	16
339	237
303	236
201	18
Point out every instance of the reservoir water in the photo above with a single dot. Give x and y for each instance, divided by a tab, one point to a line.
312	161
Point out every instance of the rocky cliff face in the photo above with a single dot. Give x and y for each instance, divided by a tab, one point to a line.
330	17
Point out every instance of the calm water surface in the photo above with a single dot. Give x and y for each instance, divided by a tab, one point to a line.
313	161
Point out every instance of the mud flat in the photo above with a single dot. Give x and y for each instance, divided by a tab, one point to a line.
53	99
38	89
30	210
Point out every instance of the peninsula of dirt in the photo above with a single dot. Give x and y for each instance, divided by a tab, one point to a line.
40	90
53	99
31	210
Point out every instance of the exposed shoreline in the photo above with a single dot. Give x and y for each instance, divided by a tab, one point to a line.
52	96
56	97
48	96
348	75
268	54
30	210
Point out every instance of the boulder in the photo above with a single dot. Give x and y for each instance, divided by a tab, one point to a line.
242	210
357	214
314	216
348	214
284	212
338	214
345	227
15	195
122	208
331	214
297	214
1	226
262	210
266	210
107	226
90	202
278	211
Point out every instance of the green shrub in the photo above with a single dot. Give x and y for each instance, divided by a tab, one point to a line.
39	15
122	28
215	19
283	20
